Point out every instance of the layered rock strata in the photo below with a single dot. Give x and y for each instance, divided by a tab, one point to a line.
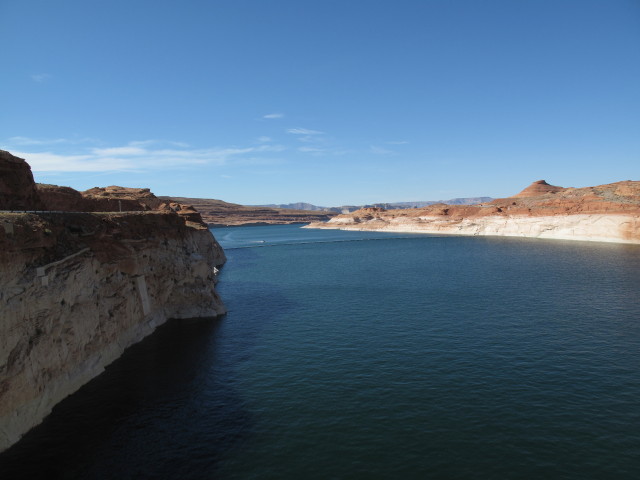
76	289
605	213
217	213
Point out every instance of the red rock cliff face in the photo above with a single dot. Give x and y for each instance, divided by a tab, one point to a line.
63	199
17	189
76	289
107	199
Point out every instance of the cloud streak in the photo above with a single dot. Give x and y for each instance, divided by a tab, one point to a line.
272	116
303	131
380	151
52	162
40	77
140	156
54	141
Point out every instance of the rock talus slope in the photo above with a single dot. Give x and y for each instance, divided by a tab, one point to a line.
76	289
605	213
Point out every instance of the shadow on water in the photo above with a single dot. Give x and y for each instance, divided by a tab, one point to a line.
149	385
169	407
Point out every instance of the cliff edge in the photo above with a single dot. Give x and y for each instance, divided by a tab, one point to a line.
604	213
77	288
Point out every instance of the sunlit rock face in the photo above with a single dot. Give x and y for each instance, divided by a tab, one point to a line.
605	213
76	289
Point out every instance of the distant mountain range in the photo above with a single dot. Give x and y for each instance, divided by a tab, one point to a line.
387	206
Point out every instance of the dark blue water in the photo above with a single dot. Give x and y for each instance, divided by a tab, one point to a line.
365	355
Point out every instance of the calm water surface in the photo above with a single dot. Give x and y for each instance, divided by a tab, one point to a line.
367	355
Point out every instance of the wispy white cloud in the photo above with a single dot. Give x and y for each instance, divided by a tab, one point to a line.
272	148
310	139
304	131
264	139
399	142
146	143
120	151
28	141
179	144
142	143
40	77
273	115
311	150
139	156
34	141
51	162
47	141
341	151
380	151
258	160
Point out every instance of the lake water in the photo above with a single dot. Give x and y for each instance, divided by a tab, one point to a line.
368	355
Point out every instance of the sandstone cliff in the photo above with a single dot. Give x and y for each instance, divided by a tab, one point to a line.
76	289
608	213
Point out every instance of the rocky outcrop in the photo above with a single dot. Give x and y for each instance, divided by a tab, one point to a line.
541	187
17	189
107	199
76	289
606	213
61	199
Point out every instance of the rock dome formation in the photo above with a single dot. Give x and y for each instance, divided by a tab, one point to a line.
538	188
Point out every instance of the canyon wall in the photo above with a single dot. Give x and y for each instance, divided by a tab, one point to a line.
606	213
76	289
217	213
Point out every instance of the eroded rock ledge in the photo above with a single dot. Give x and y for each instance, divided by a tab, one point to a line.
76	289
605	213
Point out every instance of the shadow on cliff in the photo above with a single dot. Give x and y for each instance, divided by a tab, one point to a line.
168	408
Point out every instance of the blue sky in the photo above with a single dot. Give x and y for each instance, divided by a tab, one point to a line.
329	102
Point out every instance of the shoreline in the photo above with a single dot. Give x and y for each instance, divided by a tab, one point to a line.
589	228
254	224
